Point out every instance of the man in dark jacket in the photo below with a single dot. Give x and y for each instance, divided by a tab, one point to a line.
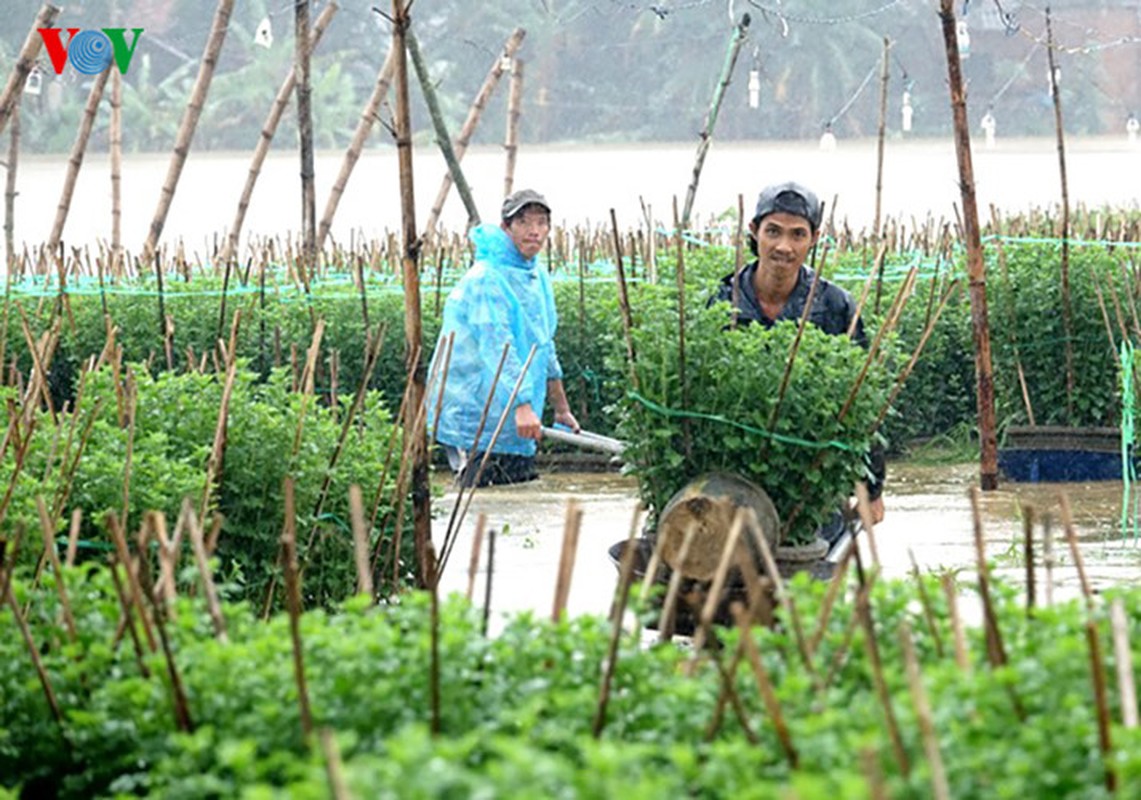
784	229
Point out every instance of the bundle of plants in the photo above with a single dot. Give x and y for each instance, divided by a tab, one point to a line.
790	410
880	706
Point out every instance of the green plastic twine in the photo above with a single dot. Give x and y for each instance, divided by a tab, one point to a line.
1128	469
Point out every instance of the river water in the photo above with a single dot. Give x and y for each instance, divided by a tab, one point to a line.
928	516
583	183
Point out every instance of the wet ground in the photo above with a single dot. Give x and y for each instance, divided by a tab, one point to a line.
928	514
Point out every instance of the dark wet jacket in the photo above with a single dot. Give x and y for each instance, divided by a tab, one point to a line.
832	312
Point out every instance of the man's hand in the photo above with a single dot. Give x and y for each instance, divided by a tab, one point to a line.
568	419
527	423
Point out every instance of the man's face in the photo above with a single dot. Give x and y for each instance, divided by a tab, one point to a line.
529	230
783	241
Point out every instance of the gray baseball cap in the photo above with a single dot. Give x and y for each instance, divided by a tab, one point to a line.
791	198
517	201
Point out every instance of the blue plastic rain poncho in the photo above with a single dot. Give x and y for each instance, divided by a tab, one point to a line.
503	298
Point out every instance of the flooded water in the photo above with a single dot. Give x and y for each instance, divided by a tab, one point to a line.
583	183
928	514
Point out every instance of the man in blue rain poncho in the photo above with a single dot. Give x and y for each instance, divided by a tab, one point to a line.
505	298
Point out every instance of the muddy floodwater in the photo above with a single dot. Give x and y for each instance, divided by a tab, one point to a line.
928	514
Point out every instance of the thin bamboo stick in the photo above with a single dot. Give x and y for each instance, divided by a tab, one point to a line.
304	92
293	601
34	652
202	559
617	611
360	541
940	789
765	685
476	546
514	106
116	147
48	529
75	161
566	559
987	425
669	605
958	634
864	613
1123	658
128	617
925	601
443	138
487	583
189	123
739	32
10	205
714	596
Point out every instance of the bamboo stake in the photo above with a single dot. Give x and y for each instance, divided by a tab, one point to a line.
1028	554
10	208
293	601
1067	305
128	618
334	766
958	635
765	685
511	142
116	147
687	442
468	128
669	605
940	789
218	449
996	651
73	536
369	115
132	568
443	138
301	36
987	425
189	123
168	558
864	612
624	301
617	610
716	587
269	128
24	63
360	541
925	601
566	559
75	161
473	562
410	246
834	588
876	230
1104	722
1049	561
48	529
648	579
202	559
432	579
738	39
34	652
1123	658
487	584
181	703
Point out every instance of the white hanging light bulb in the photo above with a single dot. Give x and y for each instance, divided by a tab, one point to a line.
264	34
906	112
754	88
34	82
963	38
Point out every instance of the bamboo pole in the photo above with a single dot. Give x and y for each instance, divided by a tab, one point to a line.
738	39
879	164
360	541
34	652
369	115
566	559
293	601
10	200
473	562
202	559
1123	658
940	788
1067	305
47	528
617	610
189	123
1097	672
304	91
958	634
443	138
417	446
511	142
472	120
265	138
976	268
24	63
75	161
116	147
